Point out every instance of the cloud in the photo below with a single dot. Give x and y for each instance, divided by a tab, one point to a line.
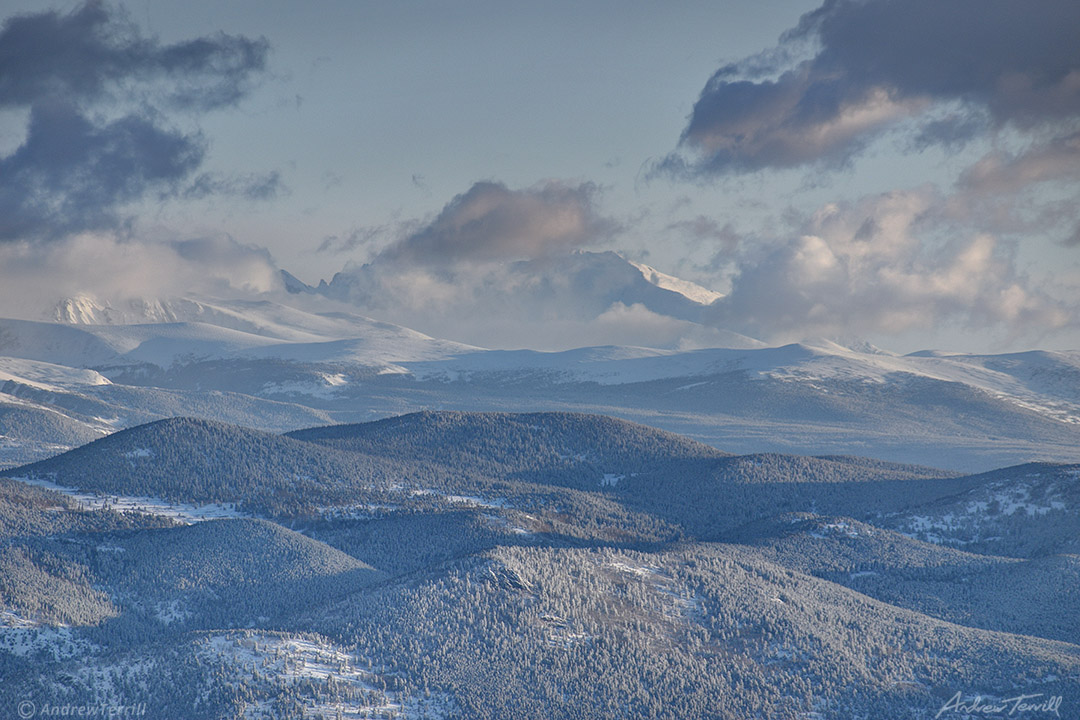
34	277
506	267
705	230
876	63
221	264
1027	193
97	137
354	239
743	126
553	303
90	52
1002	173
952	131
879	266
70	174
502	267
250	186
491	222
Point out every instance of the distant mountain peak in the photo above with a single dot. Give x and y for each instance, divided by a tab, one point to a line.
690	290
294	285
845	344
85	309
79	310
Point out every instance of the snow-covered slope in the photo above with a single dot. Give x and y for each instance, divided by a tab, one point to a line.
691	291
43	375
611	365
304	359
186	329
1044	382
1023	511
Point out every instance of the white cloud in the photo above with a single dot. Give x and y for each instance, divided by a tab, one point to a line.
34	276
881	266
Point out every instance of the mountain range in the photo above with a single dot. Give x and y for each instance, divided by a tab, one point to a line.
555	565
300	358
283	507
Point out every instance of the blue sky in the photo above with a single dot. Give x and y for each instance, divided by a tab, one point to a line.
381	112
903	172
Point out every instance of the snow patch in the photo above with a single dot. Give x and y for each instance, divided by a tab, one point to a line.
28	639
298	659
171	611
355	511
969	520
472	501
327	387
639	570
185	513
610	480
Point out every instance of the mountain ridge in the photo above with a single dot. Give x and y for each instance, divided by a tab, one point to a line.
493	565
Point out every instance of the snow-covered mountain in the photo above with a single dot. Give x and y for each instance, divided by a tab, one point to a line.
588	283
557	302
164	332
304	358
690	290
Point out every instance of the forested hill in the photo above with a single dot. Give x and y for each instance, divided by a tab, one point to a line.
408	458
569	449
189	460
544	565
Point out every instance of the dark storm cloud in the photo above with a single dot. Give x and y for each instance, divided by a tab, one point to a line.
1001	62
264	186
70	174
97	136
491	222
85	54
355	238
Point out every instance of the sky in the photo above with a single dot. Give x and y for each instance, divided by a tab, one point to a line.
903	172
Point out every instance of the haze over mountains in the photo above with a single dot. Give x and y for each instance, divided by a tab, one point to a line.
298	358
571	295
